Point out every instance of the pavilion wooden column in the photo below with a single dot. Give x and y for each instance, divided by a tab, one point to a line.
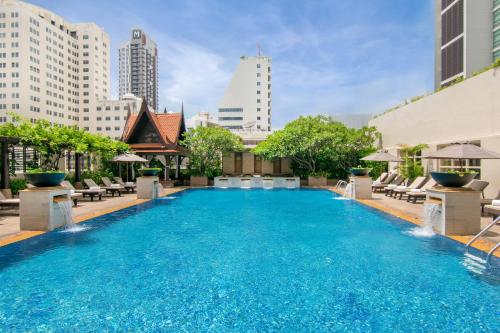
5	183
78	168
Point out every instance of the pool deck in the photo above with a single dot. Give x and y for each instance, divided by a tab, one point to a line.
414	213
10	231
10	226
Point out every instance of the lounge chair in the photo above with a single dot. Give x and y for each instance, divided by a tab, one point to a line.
486	201
387	181
108	189
420	193
129	186
4	202
108	183
380	179
493	209
77	194
400	191
395	183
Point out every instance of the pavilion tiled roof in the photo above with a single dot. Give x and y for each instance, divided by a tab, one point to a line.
169	126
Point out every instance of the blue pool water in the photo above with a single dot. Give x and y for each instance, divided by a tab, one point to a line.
244	261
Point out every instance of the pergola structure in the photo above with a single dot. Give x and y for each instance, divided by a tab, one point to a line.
5	141
156	135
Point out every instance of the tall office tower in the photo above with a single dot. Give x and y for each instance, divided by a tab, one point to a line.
50	68
138	68
246	104
464	37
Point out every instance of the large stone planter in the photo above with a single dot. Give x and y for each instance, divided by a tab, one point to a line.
316	181
45	179
198	181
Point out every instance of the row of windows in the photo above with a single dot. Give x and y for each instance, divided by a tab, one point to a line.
12	15
116	108
99	129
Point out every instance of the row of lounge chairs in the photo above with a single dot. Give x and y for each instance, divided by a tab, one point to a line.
93	190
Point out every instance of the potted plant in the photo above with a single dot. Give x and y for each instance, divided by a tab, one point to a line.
453	178
44	178
317	178
149	171
360	171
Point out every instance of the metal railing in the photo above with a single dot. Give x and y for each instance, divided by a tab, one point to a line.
481	233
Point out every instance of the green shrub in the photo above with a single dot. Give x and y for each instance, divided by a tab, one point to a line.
17	185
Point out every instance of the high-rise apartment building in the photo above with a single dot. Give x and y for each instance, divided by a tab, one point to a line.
138	68
50	68
467	37
246	104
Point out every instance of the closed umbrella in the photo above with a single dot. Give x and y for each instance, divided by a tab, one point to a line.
128	158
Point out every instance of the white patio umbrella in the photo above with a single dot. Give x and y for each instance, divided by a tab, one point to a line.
128	158
381	156
463	151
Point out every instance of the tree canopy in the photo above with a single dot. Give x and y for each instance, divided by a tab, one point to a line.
207	145
51	142
319	145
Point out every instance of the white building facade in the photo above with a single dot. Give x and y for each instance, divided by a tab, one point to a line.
50	68
465	112
138	68
110	116
246	104
467	37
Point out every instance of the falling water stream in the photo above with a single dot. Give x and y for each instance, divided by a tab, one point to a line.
67	211
432	217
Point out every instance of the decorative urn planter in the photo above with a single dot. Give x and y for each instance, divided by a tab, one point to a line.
452	179
317	181
198	181
45	179
360	171
150	171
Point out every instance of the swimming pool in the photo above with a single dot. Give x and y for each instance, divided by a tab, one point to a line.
244	261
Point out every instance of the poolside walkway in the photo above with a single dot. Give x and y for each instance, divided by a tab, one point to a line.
10	226
415	213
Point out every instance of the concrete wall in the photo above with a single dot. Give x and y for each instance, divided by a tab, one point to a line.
248	165
469	111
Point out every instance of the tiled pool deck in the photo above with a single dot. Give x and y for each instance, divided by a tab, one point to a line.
10	232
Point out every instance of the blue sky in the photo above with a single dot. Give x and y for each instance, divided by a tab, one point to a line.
329	57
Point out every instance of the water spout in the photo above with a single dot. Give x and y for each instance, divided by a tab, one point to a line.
432	217
348	192
67	211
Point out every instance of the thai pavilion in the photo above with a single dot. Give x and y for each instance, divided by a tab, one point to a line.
156	135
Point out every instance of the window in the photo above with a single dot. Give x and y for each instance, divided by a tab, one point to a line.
453	164
496	18
258	65
230	118
258	118
231	110
99	128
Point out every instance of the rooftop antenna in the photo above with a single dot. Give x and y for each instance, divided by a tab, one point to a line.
258	49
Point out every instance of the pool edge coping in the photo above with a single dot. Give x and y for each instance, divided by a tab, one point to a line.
26	234
483	245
